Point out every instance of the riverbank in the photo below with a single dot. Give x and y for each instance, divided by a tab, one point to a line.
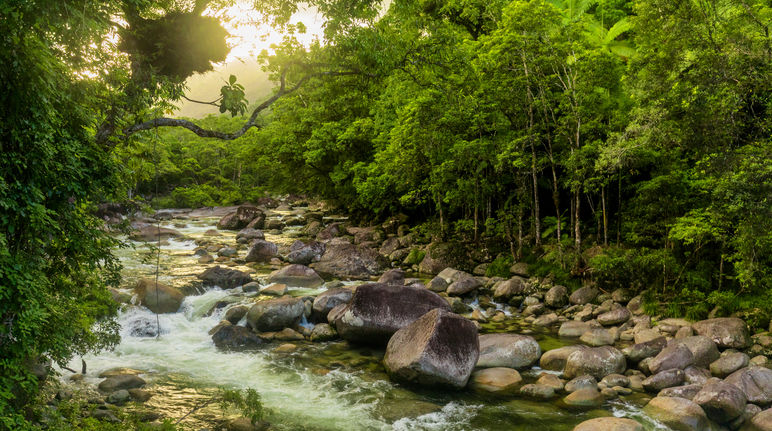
545	356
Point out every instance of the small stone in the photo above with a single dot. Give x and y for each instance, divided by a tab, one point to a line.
285	348
118	397
497	380
274	289
140	395
580	383
664	379
584	397
536	391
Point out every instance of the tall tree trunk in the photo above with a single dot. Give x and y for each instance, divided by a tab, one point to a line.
619	208
605	217
520	233
577	223
536	209
556	198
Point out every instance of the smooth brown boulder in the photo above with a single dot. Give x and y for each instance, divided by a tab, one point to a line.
609	424
761	421
499	380
679	414
376	311
439	348
555	359
584	397
158	298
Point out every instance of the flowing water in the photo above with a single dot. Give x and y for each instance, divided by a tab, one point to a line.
319	386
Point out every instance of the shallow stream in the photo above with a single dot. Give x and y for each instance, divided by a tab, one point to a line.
319	386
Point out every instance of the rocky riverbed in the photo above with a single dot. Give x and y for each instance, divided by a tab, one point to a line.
331	325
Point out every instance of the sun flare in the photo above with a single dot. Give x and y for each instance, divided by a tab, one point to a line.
249	36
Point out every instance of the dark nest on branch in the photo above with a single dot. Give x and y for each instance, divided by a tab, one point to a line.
176	45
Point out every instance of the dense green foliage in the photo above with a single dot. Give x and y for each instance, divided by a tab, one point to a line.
54	258
627	143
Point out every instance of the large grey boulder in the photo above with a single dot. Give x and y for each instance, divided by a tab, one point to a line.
275	314
439	348
679	414
583	295
376	311
721	401
505	290
664	379
244	216
463	286
640	351
121	381
673	356
726	332
615	317
297	276
224	278
728	364
305	253
342	259
596	361
755	383
261	251
158	297
508	350
234	337
684	391
329	299
703	349
556	297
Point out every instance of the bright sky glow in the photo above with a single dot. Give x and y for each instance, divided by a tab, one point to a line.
249	37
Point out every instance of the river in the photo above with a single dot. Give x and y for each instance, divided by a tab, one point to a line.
319	386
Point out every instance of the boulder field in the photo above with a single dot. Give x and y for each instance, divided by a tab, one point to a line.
458	330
